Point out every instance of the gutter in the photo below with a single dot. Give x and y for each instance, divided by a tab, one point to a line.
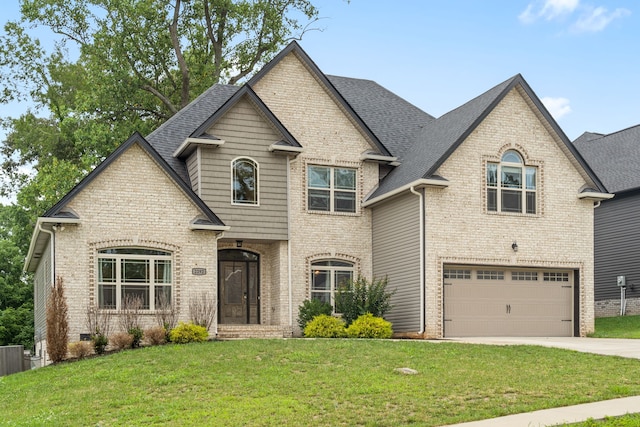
422	182
422	255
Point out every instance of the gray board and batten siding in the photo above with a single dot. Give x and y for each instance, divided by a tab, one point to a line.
617	246
396	254
246	134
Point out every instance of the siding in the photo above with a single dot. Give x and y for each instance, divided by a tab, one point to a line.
617	246
396	254
194	171
246	134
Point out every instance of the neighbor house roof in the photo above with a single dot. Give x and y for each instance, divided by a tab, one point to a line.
614	157
442	137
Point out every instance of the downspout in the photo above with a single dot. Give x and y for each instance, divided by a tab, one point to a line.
52	240
422	254
289	278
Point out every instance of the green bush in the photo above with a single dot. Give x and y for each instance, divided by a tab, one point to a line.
369	326
361	296
325	326
310	309
188	332
100	342
137	333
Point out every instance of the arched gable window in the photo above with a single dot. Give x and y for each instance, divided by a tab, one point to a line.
244	185
142	275
511	185
327	276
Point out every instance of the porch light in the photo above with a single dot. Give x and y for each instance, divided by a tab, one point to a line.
514	246
238	243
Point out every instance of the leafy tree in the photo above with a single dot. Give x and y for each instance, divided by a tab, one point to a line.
16	326
361	296
117	66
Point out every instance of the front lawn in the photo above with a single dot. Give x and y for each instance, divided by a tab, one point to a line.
311	382
617	327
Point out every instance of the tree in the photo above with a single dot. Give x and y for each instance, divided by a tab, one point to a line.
117	66
57	323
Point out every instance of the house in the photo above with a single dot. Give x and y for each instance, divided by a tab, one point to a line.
615	158
265	195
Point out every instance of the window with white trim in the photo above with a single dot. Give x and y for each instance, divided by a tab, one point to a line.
331	189
124	273
327	277
244	185
511	185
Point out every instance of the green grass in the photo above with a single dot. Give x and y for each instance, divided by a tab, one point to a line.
632	420
311	382
617	327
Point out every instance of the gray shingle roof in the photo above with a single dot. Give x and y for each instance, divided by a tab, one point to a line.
392	119
168	137
439	138
615	157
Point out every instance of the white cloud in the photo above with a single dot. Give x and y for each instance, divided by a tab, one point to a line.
548	9
558	107
597	19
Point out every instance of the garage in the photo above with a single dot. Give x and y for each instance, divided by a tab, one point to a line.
491	301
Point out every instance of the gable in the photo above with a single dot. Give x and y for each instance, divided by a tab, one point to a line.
310	107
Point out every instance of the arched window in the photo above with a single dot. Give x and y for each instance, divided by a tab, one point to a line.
327	277
511	185
245	181
128	275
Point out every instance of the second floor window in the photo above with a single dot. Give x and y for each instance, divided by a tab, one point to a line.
511	185
245	182
331	189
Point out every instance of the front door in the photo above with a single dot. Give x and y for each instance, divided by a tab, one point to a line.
238	287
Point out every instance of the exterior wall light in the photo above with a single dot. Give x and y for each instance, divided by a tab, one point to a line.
514	246
238	243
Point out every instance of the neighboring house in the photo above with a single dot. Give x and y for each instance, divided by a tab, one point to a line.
615	158
268	194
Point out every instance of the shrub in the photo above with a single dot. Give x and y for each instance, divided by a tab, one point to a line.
369	326
361	296
57	323
80	349
121	340
137	333
324	326
310	309
156	335
188	332
100	342
202	310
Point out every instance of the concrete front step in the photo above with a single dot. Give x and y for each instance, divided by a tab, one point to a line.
226	332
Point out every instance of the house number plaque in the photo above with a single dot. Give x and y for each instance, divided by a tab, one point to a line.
198	271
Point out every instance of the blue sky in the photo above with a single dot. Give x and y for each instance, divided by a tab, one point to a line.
579	56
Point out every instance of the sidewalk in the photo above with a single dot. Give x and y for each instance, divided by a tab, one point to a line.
566	414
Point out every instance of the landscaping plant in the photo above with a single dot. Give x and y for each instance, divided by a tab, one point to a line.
361	296
188	332
324	326
57	323
369	326
310	309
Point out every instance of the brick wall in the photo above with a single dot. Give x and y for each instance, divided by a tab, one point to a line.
461	231
132	203
329	138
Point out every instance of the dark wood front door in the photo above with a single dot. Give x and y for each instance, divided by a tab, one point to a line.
239	287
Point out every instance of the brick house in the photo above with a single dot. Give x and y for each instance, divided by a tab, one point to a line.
268	194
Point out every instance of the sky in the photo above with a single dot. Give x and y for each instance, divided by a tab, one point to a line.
579	56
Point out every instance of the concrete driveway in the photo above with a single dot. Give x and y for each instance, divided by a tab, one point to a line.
605	346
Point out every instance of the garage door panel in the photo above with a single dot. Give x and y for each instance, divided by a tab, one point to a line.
508	306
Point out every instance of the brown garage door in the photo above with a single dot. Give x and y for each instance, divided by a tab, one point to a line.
486	301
